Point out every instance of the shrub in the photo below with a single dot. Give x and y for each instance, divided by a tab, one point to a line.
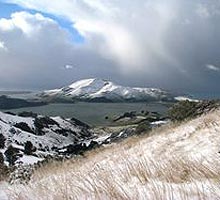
182	110
3	168
11	155
187	109
27	114
12	131
43	122
1	159
2	141
147	112
143	127
131	115
24	127
29	148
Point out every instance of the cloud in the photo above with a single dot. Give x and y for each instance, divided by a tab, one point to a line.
203	11
212	67
37	48
25	22
68	67
2	46
132	35
129	34
145	43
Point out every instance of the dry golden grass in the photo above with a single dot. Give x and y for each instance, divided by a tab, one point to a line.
173	162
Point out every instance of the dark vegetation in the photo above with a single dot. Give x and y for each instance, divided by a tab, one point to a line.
12	154
104	99
29	148
79	123
12	103
4	170
2	141
24	127
188	110
43	122
27	114
143	127
79	149
131	115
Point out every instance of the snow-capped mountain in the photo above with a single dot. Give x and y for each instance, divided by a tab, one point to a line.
99	90
46	135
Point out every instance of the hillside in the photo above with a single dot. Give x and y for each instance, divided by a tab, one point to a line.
12	103
99	90
28	138
172	162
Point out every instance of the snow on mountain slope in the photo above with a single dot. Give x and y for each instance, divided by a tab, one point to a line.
13	119
103	90
173	162
45	133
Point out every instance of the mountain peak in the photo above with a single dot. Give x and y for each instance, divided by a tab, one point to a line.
87	82
97	89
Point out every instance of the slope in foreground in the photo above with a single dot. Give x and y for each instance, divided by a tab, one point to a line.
173	162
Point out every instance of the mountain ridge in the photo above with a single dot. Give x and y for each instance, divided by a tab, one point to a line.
101	90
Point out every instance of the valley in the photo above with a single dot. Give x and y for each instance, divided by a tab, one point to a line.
125	166
59	131
109	100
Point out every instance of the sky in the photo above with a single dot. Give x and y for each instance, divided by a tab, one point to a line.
170	44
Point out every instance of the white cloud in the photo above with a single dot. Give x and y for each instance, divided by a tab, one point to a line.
39	48
2	46
212	67
203	11
68	67
130	34
144	41
5	25
25	22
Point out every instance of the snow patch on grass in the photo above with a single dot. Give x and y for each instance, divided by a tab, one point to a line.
172	162
29	160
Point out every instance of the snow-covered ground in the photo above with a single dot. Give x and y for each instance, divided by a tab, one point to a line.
184	98
3	188
43	132
172	162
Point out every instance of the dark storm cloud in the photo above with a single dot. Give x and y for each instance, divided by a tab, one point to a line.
158	43
34	56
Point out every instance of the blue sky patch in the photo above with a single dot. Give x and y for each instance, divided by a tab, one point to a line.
76	37
6	9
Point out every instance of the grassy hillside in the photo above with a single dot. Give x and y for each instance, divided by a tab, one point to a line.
172	162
